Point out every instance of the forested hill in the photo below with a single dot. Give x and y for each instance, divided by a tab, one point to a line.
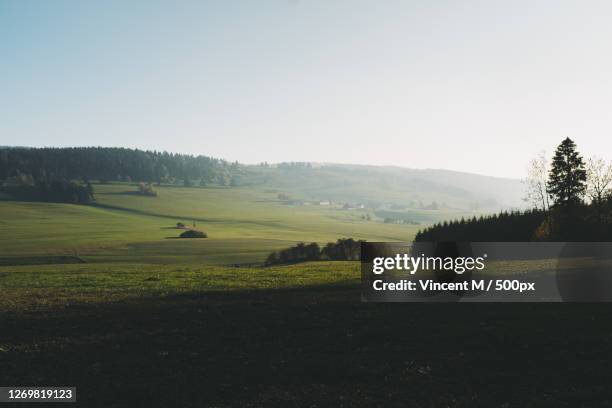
113	164
397	194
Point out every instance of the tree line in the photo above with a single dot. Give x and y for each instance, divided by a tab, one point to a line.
571	200
345	249
114	164
63	191
502	227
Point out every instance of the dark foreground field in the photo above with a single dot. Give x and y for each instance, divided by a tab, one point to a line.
312	347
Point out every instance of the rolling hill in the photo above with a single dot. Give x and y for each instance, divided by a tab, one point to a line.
385	186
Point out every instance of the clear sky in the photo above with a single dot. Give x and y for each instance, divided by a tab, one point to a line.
478	86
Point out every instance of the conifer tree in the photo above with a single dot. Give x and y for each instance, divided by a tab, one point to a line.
567	176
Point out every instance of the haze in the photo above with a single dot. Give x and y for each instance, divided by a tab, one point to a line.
470	86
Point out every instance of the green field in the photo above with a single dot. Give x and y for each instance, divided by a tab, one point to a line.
243	225
31	287
125	246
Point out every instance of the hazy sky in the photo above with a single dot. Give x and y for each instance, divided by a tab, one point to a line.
463	85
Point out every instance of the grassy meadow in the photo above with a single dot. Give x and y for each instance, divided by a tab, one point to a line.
32	287
243	224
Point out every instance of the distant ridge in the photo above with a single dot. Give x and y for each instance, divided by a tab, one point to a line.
391	188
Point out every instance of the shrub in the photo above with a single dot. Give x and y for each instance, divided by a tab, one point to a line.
193	234
147	189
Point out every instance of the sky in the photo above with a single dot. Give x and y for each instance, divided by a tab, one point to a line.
476	86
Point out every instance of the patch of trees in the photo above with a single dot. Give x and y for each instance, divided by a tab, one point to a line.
571	200
115	164
345	249
62	191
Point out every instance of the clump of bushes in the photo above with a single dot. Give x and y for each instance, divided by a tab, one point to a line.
299	253
346	249
193	234
180	225
147	189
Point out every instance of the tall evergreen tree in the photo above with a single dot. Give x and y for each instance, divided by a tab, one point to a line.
567	177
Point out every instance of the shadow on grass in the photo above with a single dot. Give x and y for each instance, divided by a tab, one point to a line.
182	217
147	213
313	346
126	192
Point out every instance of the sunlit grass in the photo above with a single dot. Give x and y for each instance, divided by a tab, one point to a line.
32	286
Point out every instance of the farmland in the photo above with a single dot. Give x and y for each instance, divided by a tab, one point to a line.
243	225
106	298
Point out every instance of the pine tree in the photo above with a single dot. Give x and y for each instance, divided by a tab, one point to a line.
567	177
